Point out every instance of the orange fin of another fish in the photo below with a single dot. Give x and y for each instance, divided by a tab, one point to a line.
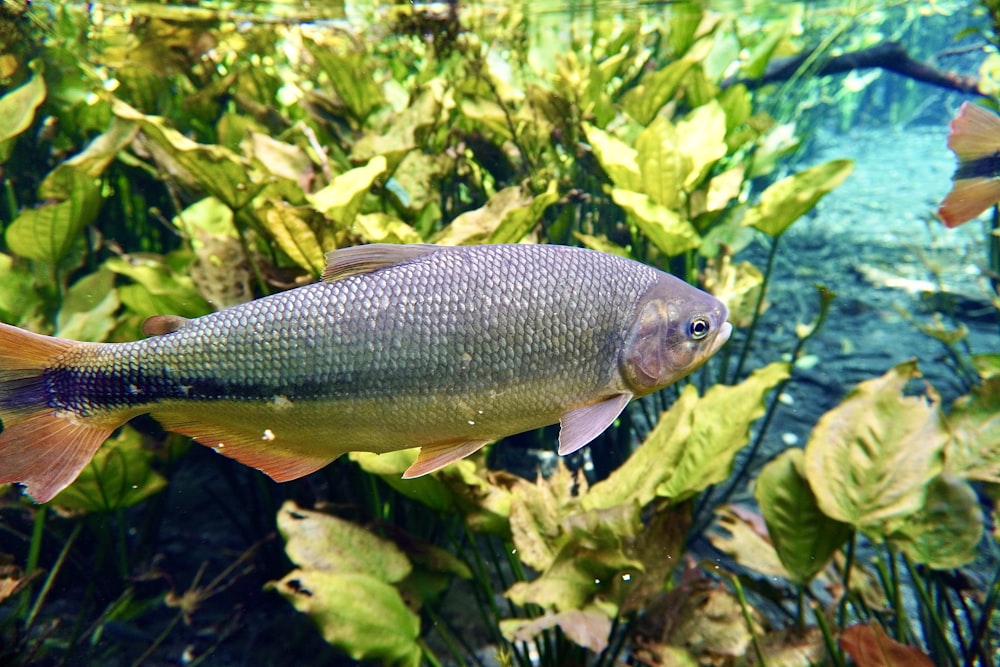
967	199
279	459
579	426
40	448
437	455
158	325
975	133
357	260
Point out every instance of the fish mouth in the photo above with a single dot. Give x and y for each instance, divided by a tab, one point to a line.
720	338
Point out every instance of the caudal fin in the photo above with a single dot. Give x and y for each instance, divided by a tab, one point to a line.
40	447
975	139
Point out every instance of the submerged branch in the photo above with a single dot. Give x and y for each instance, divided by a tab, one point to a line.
890	56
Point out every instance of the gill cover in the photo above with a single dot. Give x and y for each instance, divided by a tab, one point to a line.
664	345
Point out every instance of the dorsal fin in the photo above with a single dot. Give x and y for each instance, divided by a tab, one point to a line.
357	260
157	325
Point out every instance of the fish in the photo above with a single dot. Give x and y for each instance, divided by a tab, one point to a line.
397	346
974	137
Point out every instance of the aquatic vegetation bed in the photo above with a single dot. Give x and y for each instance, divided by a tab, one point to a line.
274	141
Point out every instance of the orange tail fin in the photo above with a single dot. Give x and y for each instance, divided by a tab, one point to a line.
974	137
40	447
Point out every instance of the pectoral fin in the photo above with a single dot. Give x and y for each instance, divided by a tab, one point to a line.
436	456
579	426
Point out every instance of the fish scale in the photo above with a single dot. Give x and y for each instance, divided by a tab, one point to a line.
400	346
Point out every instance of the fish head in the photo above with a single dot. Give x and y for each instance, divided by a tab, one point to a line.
676	328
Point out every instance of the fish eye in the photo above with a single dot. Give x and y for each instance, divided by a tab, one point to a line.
699	328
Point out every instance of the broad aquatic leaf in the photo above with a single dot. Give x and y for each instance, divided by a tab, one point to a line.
216	169
618	160
663	227
100	152
869	646
88	308
207	217
736	285
654	90
761	53
662	165
536	515
19	298
603	244
590	567
693	444
282	159
789	199
118	476
518	222
352	77
384	228
744	543
161	286
481	224
356	612
945	532
804	538
341	200
588	627
428	489
973	451
46	234
658	548
701	139
319	541
18	107
870	458
301	232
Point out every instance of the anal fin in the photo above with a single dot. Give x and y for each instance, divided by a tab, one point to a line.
437	455
280	458
579	426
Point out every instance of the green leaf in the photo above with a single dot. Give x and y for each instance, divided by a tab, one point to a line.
88	308
478	225
118	476
701	139
870	459
18	107
162	286
517	222
784	202
803	536
662	165
973	451
341	200
46	234
298	231
603	244
100	152
427	489
319	541
618	160
761	53
218	170
944	533
654	90
693	444
589	627
351	76
384	228
665	229
356	612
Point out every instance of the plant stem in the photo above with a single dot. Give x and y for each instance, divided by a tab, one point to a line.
47	586
978	644
745	608
848	565
769	269
836	655
936	623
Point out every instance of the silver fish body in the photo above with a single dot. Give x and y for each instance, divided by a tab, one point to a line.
401	346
